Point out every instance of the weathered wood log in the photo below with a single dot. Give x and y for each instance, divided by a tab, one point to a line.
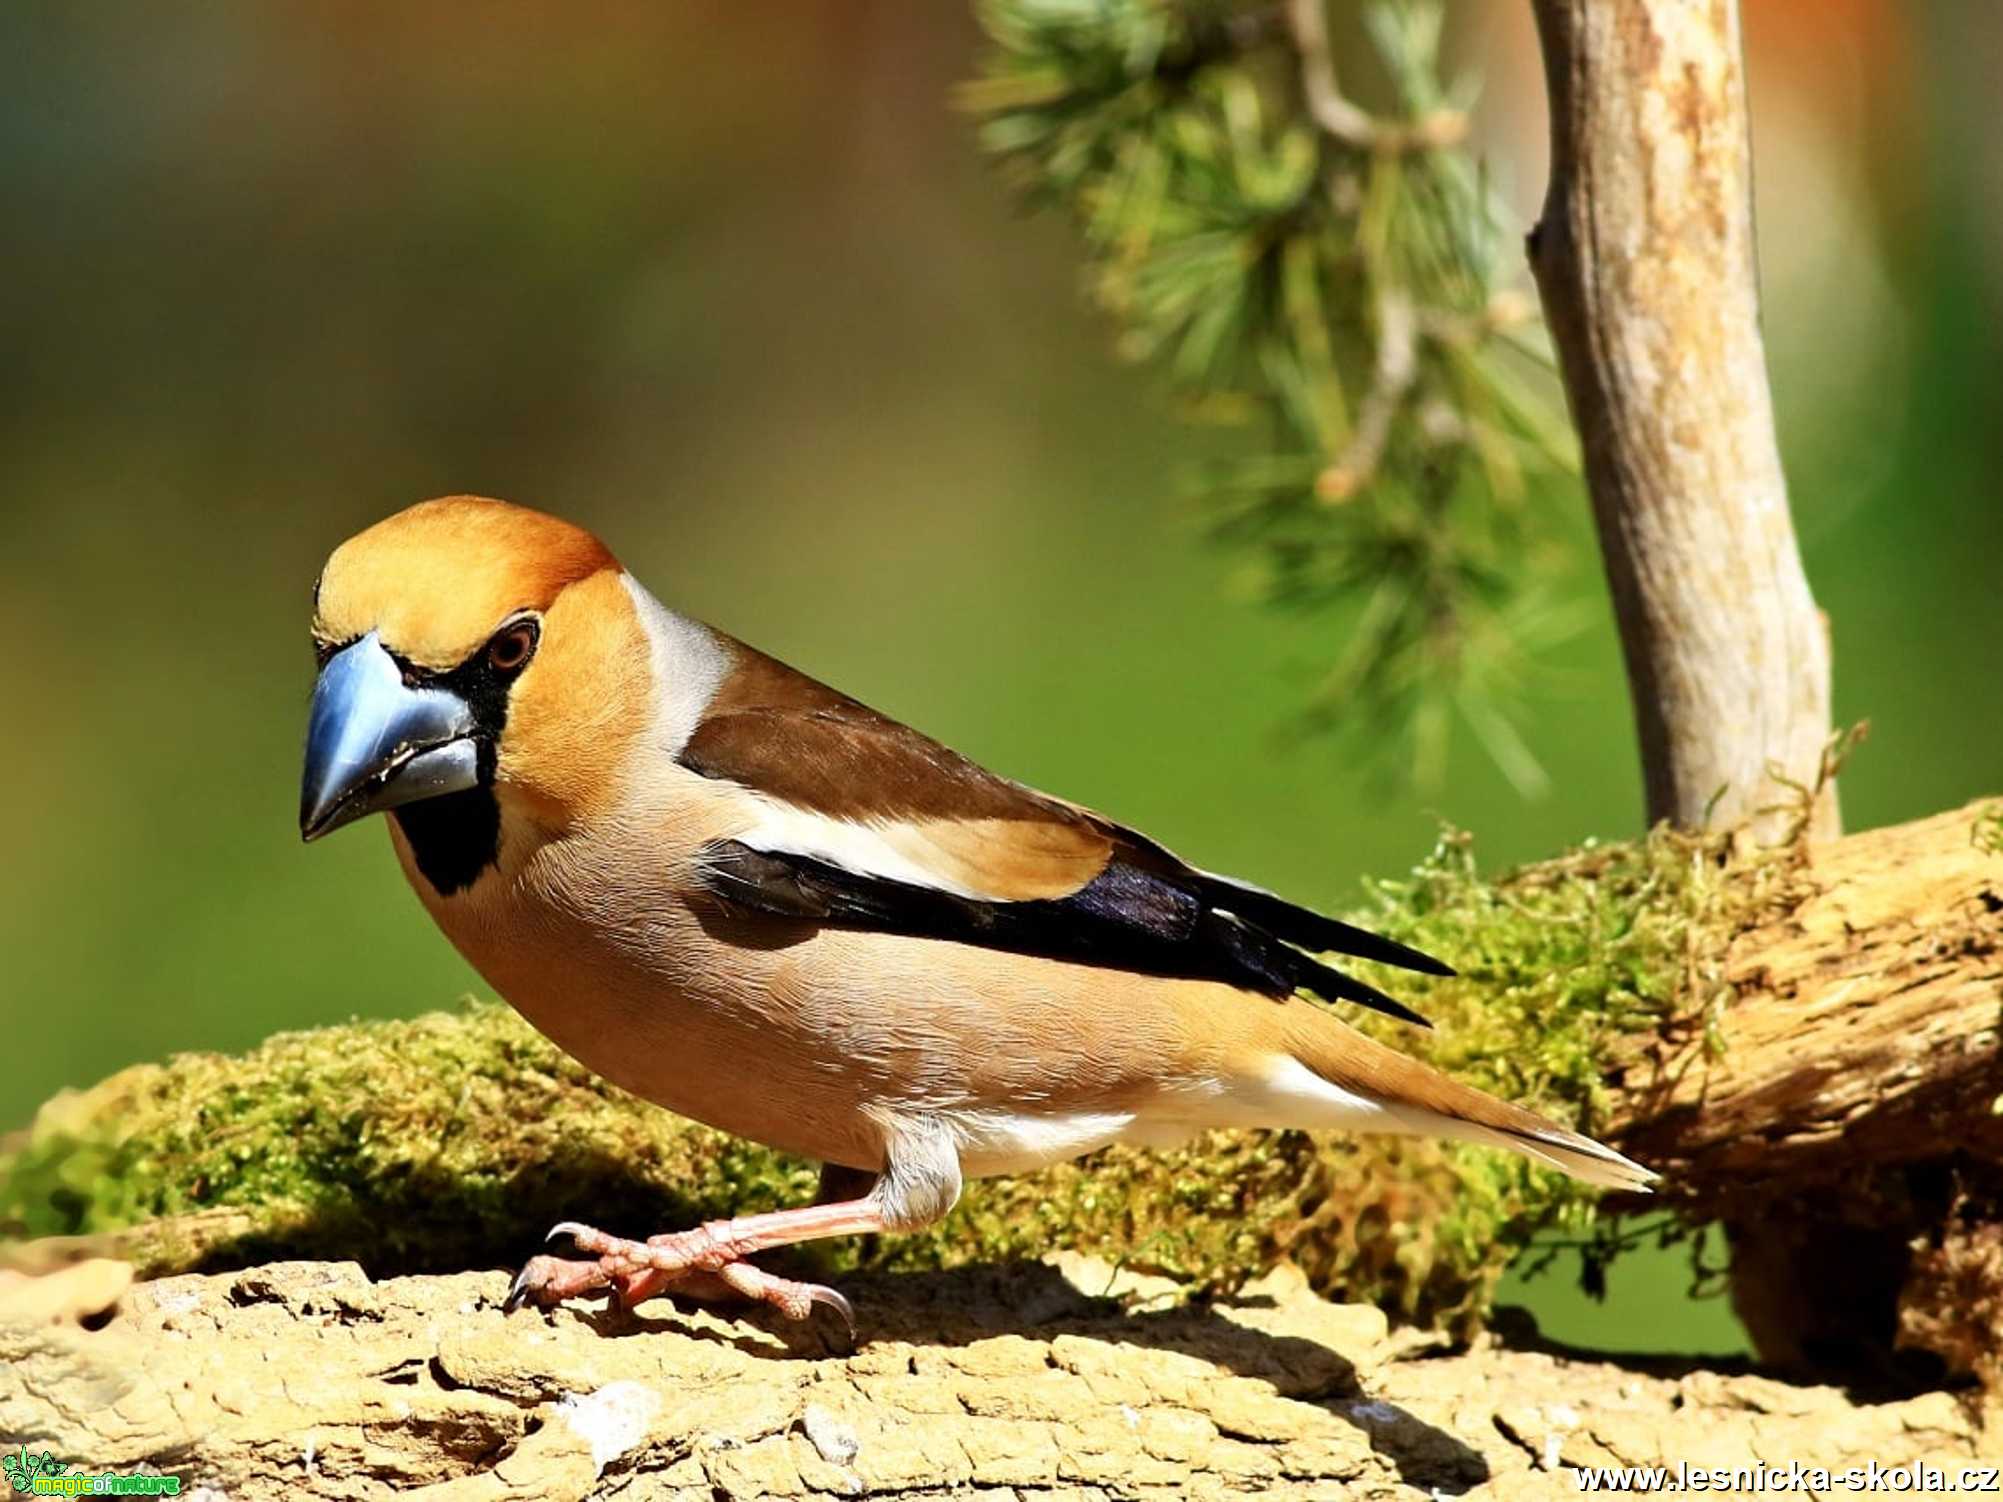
1863	1028
312	1380
1848	1130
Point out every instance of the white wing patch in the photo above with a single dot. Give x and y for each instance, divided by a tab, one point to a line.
866	849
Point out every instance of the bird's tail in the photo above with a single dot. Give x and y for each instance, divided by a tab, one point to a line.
1416	1098
1546	1143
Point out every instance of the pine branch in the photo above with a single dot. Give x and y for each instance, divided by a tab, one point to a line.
1324	278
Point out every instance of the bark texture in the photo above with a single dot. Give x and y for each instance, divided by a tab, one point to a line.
1864	1025
310	1380
1850	1133
1644	259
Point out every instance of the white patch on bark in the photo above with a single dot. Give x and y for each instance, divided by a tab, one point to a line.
611	1420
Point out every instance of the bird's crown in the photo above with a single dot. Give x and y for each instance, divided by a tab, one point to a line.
435	580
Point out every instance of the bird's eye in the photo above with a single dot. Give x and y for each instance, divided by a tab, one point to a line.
512	647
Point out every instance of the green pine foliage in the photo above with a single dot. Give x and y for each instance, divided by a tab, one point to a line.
1335	284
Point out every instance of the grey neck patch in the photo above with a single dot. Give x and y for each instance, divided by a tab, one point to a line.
689	664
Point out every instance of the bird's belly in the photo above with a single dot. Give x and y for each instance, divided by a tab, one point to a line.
711	1066
999	1140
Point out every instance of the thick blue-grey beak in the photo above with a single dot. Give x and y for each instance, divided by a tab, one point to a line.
374	742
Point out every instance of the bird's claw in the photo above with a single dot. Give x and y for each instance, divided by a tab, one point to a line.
794	1299
829	1298
635	1272
548	1281
517	1291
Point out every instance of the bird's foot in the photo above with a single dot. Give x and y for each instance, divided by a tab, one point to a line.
698	1263
547	1281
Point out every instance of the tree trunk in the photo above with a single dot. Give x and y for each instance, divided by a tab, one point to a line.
1644	258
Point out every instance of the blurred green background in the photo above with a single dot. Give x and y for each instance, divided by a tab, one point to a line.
732	286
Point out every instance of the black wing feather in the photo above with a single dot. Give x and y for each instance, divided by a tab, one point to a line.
1127	918
1270	911
1310	930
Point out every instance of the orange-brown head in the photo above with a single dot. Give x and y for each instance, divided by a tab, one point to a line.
469	649
438	579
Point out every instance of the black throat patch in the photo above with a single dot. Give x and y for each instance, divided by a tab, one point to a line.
453	838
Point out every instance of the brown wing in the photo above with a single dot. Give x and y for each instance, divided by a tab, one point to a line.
818	755
857	819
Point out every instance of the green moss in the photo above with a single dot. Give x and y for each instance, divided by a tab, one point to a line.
456	1139
1987	833
412	1144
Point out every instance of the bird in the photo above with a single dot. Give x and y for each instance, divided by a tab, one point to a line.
746	897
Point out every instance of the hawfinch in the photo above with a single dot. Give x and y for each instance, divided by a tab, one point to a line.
745	896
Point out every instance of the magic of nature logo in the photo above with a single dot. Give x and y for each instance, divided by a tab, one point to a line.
45	1476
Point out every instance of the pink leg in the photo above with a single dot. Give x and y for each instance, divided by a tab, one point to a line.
716	1250
837	1183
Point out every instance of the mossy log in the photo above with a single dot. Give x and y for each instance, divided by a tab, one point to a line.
1804	1037
1845	1118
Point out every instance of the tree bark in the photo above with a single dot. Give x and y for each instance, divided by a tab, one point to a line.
1644	257
1850	1134
1864	1028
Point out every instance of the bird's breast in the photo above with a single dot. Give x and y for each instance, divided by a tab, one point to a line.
609	960
806	1037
